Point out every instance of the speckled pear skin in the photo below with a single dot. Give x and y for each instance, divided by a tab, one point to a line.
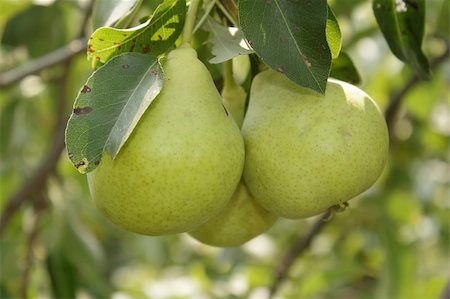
240	221
182	162
306	152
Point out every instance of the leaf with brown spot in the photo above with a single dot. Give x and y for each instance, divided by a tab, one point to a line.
158	34
104	118
301	25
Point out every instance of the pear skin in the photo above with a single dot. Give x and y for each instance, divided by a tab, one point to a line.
306	152
240	221
182	162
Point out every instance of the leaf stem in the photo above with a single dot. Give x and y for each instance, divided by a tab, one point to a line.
190	21
209	7
226	13
228	79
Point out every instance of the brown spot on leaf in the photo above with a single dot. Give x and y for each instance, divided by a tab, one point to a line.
146	49
70	155
96	162
154	72
82	110
101	39
124	34
125	66
160	37
81	163
116	43
281	68
86	89
97	58
89	48
307	62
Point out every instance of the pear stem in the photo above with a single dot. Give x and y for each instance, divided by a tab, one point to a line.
190	21
228	79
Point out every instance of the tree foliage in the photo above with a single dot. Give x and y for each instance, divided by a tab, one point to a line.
392	242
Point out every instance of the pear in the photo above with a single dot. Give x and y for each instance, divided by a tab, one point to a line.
306	152
241	220
181	163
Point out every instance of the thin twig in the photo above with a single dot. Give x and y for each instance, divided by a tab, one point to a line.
58	56
36	182
446	291
296	250
302	243
38	209
396	100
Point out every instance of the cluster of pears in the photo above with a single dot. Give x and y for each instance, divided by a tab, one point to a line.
188	167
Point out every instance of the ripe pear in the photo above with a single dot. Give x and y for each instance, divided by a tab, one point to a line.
181	163
241	220
306	152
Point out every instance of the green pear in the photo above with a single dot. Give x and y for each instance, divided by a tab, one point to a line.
182	162
306	152
241	220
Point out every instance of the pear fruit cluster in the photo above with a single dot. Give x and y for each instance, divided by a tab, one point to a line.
188	167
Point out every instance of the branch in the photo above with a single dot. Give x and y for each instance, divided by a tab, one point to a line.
36	183
446	291
296	250
60	55
303	243
396	100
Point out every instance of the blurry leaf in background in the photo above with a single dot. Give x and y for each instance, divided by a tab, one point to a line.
402	24
342	68
227	42
275	30
45	36
155	36
9	9
443	28
109	107
109	12
333	34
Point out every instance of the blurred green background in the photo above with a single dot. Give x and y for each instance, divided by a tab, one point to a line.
392	242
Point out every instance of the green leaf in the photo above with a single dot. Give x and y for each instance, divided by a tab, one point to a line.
290	37
442	26
109	106
333	34
12	7
155	36
110	12
402	23
227	42
342	68
62	273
